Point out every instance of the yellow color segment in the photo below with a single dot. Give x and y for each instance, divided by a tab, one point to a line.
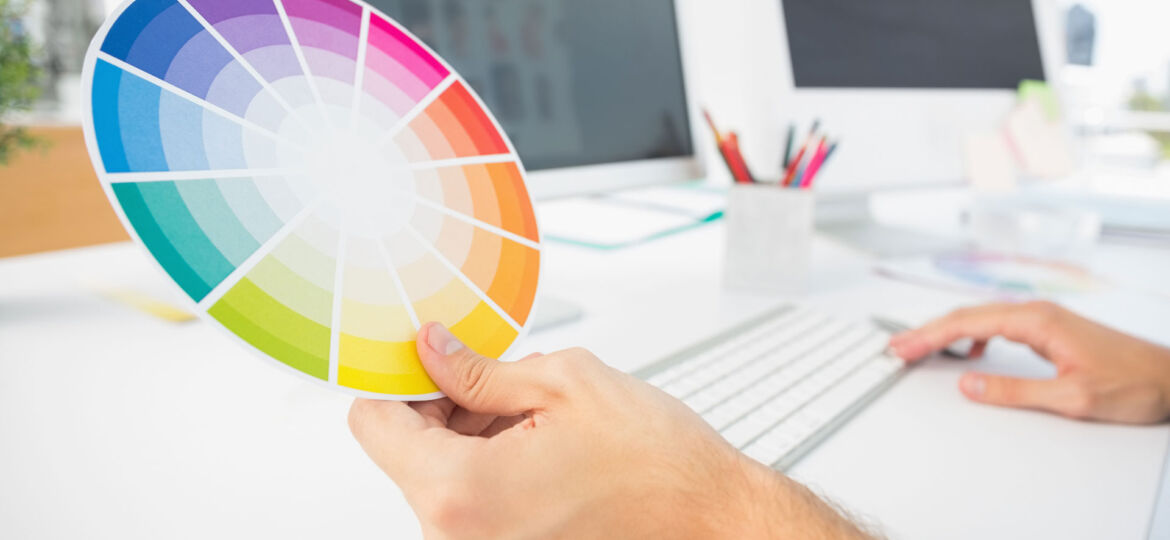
382	367
485	332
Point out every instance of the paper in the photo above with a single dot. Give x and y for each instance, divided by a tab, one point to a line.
989	163
599	222
1040	144
316	181
993	274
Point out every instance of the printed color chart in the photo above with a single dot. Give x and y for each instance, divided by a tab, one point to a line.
316	180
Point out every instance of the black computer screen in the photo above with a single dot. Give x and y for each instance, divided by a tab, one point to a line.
572	82
980	44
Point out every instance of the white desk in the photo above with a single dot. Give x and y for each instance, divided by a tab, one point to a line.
117	425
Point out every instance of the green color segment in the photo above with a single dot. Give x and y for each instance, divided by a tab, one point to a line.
276	330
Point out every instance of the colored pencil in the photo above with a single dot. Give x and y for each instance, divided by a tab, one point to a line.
729	150
788	146
814	166
790	176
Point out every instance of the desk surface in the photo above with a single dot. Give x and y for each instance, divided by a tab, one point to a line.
117	425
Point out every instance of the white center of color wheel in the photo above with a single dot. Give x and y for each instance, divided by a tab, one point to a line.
374	187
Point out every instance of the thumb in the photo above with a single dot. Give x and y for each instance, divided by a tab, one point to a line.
1047	395
477	383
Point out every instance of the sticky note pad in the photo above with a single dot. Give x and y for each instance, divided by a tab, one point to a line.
316	181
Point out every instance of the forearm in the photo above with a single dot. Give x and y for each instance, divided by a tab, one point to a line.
779	507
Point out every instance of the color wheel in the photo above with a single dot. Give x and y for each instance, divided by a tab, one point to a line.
316	180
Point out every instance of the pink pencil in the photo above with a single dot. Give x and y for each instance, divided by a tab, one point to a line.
815	165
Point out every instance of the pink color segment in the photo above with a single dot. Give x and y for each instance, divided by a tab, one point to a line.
409	54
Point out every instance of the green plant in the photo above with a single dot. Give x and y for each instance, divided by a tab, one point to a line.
18	78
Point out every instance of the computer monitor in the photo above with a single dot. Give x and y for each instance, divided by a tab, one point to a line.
901	83
593	94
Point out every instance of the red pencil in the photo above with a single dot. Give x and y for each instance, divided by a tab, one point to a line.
729	150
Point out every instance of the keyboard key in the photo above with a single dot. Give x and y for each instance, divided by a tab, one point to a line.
771	387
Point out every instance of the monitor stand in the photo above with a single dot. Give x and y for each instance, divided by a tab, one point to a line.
552	312
848	219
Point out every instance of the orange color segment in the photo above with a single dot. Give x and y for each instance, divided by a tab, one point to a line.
515	206
455	126
514	288
481	130
484	260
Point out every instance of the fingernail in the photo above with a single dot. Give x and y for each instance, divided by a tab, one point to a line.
974	385
440	340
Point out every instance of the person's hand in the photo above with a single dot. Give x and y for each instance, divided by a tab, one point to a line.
1102	374
564	446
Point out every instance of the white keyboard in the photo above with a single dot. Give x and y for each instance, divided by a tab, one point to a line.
778	385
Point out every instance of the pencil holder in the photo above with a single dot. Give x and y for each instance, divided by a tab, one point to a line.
769	239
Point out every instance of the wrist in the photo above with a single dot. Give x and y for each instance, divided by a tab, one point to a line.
773	505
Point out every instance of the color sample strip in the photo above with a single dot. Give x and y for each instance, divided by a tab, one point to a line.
505	270
254	29
398	71
494	194
143	128
439	296
284	305
163	39
328	31
376	351
453	126
191	231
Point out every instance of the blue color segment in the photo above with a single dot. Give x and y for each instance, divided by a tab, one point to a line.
107	128
163	39
137	107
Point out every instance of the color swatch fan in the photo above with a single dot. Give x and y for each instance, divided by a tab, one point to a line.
316	180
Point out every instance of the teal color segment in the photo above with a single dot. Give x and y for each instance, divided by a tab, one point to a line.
137	212
251	208
183	232
213	215
107	129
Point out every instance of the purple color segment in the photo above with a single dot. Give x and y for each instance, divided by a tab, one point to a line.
196	67
340	14
251	32
275	63
216	11
234	89
326	64
315	35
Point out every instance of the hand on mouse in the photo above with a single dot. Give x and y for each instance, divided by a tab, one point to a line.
564	446
1102	374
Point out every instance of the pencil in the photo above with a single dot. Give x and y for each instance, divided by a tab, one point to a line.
790	176
814	166
728	150
788	146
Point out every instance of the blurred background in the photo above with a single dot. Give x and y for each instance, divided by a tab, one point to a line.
1113	79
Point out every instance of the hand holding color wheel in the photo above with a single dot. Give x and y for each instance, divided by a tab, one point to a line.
316	180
